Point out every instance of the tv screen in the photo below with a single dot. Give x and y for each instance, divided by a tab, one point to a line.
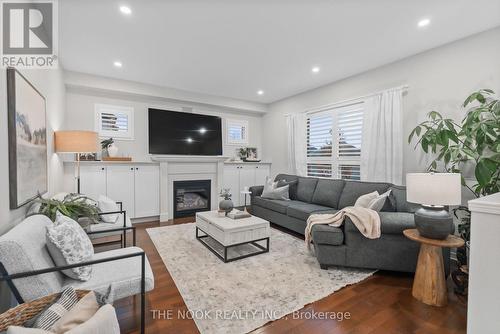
181	133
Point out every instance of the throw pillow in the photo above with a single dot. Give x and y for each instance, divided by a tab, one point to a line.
63	304
364	200
277	193
79	313
104	321
106	204
68	243
269	185
378	202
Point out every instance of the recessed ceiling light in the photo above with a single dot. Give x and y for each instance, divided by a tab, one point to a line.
315	69
260	92
125	10
118	64
424	23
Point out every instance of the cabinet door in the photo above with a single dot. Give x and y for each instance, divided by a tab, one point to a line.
93	181
247	179
147	191
231	180
261	173
120	186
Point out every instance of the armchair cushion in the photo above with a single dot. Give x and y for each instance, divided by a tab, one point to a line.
116	279
68	243
23	249
106	204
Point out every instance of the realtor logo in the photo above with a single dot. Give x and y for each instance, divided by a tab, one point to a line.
29	34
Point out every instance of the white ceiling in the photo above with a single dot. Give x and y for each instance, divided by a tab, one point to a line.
233	48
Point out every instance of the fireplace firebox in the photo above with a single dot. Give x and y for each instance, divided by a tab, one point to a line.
190	197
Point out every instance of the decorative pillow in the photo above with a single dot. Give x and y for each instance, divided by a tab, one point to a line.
55	312
68	243
364	200
103	321
106	204
277	193
378	202
79	313
269	185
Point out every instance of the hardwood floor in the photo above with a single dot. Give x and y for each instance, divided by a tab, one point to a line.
380	304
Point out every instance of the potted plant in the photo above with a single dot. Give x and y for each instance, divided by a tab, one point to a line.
474	141
72	205
108	146
226	204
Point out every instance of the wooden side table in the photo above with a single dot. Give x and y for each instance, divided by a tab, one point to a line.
429	284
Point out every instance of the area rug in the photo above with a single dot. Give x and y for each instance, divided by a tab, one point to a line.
240	296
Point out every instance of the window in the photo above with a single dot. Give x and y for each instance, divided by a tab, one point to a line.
237	132
334	142
114	121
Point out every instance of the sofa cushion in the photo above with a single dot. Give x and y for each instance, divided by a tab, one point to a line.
390	223
353	189
272	204
292	180
328	192
302	211
398	200
305	189
327	235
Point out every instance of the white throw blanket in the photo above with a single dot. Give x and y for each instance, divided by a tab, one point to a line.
366	220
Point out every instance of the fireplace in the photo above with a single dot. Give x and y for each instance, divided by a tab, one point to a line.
190	197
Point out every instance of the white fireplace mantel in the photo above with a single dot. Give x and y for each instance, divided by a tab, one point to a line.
185	168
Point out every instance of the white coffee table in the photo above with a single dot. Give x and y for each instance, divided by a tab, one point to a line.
230	233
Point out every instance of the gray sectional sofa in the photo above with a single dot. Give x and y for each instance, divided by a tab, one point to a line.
345	246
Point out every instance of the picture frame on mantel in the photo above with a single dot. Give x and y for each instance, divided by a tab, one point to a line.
27	128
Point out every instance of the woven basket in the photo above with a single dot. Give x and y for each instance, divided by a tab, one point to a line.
18	315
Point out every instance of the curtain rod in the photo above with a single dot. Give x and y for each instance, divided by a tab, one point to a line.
351	100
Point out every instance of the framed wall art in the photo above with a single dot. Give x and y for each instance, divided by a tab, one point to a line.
28	171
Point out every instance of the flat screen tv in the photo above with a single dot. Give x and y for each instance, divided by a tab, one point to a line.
182	133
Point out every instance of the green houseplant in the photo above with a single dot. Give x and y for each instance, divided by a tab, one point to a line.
72	205
475	141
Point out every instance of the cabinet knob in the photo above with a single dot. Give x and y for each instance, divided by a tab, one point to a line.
131	168
136	168
102	168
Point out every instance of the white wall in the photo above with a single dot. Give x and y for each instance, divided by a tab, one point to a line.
80	115
439	79
50	84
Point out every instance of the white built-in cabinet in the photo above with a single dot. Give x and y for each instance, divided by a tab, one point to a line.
137	186
238	176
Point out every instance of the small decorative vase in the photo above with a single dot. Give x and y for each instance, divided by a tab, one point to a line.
112	150
226	205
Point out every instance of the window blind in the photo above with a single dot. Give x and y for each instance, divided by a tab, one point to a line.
334	139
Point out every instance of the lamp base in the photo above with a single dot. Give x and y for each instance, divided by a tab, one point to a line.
433	222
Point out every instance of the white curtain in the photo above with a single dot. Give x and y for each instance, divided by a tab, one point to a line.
297	143
382	143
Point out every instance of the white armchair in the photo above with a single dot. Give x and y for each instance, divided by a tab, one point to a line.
30	272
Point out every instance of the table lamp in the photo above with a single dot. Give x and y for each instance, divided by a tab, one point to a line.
433	191
76	142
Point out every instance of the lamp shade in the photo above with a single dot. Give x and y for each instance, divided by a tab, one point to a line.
434	188
75	141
